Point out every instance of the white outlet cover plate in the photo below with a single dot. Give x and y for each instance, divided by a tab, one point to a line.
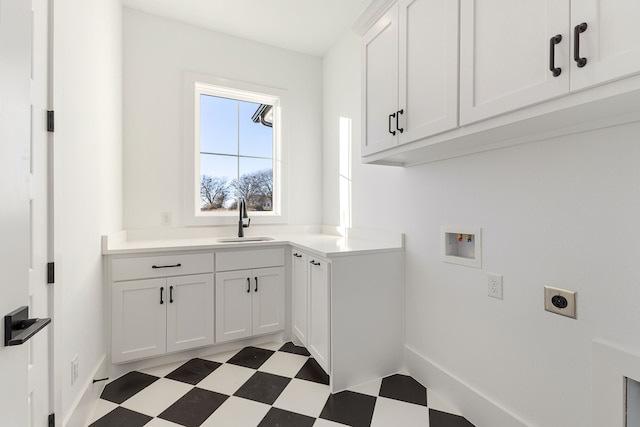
569	310
494	285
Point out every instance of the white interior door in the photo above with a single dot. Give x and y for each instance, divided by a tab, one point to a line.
15	87
40	347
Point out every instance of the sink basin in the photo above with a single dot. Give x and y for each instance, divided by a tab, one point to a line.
245	239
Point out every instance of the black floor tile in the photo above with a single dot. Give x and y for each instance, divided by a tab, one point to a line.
443	419
263	387
405	388
281	418
126	386
292	348
122	417
251	357
194	371
311	371
350	408
193	408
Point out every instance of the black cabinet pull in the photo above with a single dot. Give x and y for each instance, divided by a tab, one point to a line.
314	262
167	266
297	255
256	289
170	294
553	41
577	30
248	285
161	292
398	119
391	131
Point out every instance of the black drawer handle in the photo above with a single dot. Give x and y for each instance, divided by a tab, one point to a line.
297	255
391	131
161	292
314	262
553	41
577	30
167	266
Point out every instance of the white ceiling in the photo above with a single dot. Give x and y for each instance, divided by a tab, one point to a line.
308	26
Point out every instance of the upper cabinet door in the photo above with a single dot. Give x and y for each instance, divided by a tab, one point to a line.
505	55
610	43
428	68
380	84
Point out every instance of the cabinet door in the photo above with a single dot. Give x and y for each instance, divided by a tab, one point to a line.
300	311
319	312
428	68
233	305
380	84
138	319
504	55
610	42
268	300
190	312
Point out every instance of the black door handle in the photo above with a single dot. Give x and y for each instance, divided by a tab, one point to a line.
398	119
553	41
248	285
161	292
170	294
18	328
391	131
577	30
256	289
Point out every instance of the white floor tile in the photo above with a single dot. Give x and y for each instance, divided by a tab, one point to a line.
284	364
102	408
326	423
222	357
154	399
163	370
303	397
275	346
237	412
227	379
435	402
372	388
159	422
390	412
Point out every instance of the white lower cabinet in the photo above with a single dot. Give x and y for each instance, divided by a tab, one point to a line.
154	316
249	302
249	293
311	305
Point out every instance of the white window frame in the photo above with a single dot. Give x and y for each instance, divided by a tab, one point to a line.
197	84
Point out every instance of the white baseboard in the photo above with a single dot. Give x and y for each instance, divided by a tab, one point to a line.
84	405
477	408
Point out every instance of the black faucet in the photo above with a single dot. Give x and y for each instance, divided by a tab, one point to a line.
242	209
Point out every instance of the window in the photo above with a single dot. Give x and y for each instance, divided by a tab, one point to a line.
234	152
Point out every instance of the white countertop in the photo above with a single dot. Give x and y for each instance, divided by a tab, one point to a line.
311	239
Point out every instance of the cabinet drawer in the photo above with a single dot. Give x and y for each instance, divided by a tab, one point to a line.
161	266
242	260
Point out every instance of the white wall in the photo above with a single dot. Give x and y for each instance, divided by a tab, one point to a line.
562	212
157	53
87	180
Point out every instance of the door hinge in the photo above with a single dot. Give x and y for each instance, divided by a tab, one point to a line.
50	121
52	420
51	273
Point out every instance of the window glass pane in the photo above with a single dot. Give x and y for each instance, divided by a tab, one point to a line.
256	183
256	139
218	125
217	177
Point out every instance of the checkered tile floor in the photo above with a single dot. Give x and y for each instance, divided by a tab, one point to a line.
266	386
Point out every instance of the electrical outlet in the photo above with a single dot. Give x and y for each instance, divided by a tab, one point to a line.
560	301
74	369
494	283
166	218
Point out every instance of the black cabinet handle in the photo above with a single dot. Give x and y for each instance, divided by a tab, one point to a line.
391	131
248	285
167	266
170	294
577	30
256	289
553	41
398	119
297	255
161	292
314	262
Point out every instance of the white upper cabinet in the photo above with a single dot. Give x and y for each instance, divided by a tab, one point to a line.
610	43
410	74
505	55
